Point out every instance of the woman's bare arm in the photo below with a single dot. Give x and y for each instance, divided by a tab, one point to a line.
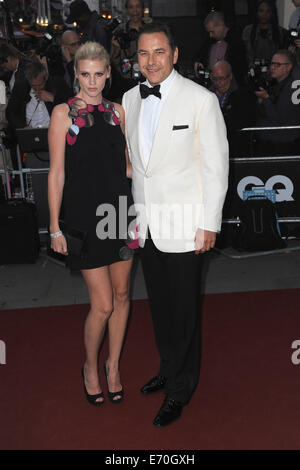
58	128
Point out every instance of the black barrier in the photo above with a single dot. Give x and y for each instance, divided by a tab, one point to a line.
252	142
278	172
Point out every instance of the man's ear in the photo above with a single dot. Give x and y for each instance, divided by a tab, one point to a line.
175	55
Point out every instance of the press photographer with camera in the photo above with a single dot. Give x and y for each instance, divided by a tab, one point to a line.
57	54
279	106
237	104
264	37
124	45
91	26
70	42
12	63
34	97
222	44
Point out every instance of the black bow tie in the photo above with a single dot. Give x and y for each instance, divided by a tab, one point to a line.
146	91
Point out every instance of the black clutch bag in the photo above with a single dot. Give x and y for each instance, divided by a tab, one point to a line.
75	238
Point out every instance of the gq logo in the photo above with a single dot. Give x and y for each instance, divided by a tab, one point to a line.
283	193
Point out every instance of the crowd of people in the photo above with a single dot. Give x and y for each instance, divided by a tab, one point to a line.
262	68
176	157
249	57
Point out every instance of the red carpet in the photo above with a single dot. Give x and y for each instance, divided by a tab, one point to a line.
248	395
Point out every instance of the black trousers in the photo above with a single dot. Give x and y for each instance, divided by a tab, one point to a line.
173	285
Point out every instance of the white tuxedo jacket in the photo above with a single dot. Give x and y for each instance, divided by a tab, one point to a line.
184	184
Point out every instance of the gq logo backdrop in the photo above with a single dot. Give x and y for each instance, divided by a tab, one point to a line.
284	191
282	176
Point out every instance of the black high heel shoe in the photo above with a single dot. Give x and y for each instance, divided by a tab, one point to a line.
112	395
92	399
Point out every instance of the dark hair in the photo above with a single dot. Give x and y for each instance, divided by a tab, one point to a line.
6	50
34	69
274	23
127	1
152	28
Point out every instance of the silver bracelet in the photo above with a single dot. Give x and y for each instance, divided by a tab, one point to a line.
56	234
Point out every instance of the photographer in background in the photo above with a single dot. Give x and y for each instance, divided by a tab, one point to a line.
12	62
223	44
124	48
70	42
279	107
91	26
237	105
34	98
124	41
264	37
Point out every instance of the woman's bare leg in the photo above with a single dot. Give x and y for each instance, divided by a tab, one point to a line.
101	299
120	278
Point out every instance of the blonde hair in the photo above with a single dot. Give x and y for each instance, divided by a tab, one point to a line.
91	51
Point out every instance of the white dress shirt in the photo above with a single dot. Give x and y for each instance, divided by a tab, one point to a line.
36	112
150	112
12	80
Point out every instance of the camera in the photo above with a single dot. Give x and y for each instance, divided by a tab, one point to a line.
50	49
124	37
294	34
204	77
258	75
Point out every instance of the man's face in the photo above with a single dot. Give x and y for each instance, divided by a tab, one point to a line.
9	65
155	56
221	78
38	83
135	10
72	42
264	13
216	32
280	68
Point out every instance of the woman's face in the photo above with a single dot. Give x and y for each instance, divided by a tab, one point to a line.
92	75
135	10
264	13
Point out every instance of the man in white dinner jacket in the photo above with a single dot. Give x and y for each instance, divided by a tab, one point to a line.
177	145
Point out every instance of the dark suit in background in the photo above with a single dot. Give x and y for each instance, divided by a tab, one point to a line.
16	108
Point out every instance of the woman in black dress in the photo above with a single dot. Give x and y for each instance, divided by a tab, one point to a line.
88	173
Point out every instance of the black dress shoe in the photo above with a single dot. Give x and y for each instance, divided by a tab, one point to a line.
154	385
169	411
